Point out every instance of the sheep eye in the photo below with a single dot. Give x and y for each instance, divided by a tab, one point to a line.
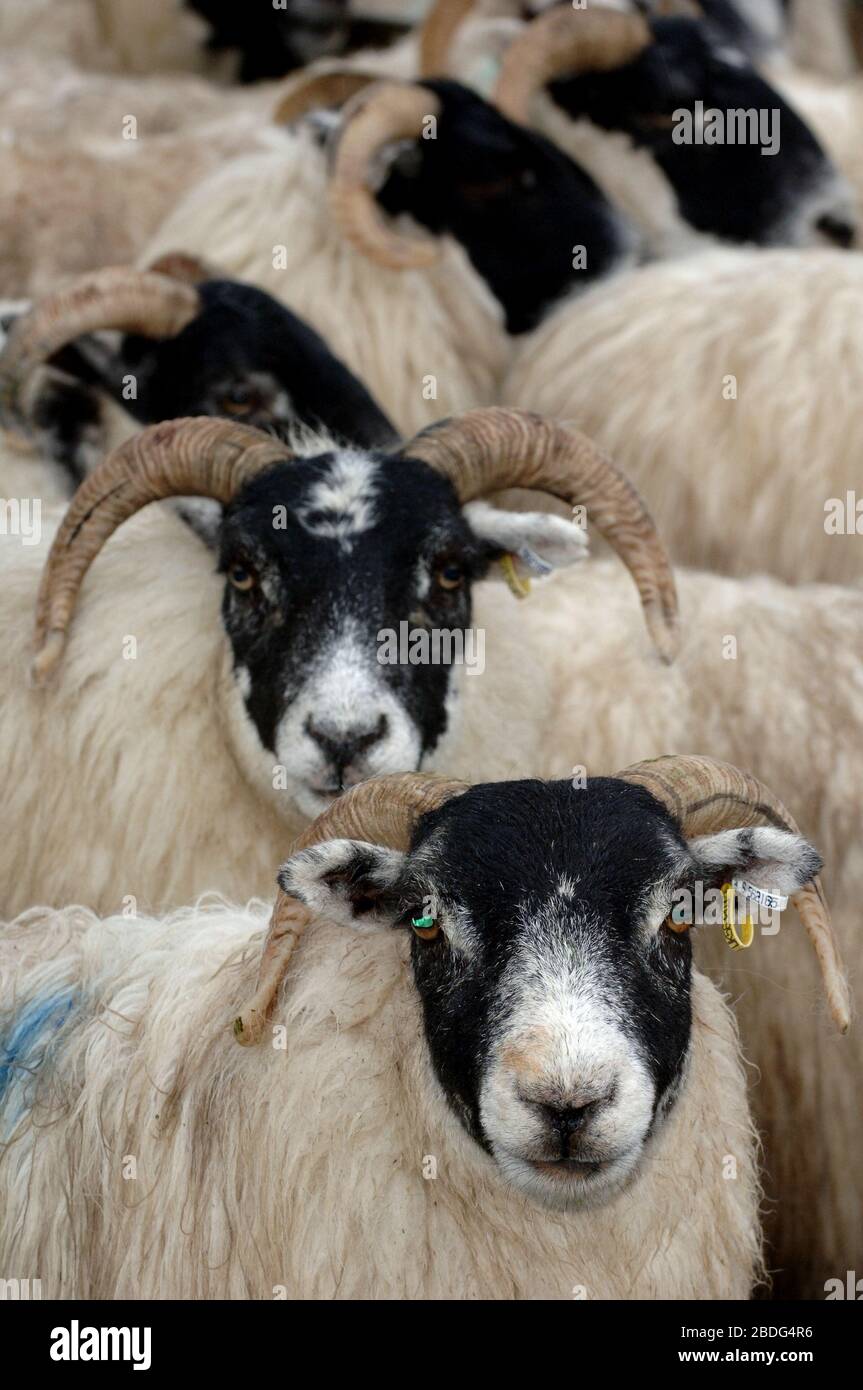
242	577
240	401
426	928
450	576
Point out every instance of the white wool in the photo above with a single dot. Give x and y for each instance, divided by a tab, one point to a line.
51	98
68	209
426	343
821	36
25	472
107	35
644	363
152	1157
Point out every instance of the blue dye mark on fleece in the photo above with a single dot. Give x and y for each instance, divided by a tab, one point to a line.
39	1020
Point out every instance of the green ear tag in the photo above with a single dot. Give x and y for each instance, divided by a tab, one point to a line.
422	922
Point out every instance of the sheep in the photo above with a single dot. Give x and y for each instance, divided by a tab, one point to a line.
624	316
382	537
164	836
194	344
240	216
615	83
426	341
572	1157
698	376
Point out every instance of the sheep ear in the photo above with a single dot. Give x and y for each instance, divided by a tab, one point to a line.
774	860
348	882
538	542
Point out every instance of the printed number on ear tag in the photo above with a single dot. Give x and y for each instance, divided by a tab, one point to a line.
739	935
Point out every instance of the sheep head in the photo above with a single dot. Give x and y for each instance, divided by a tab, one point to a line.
519	206
554	986
769	181
194	343
348	575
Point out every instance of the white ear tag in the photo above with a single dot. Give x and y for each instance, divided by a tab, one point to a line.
534	562
774	901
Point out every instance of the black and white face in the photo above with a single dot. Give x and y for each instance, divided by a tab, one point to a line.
555	996
793	195
339	571
244	357
518	205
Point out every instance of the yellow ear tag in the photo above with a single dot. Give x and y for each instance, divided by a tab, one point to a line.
518	586
739	937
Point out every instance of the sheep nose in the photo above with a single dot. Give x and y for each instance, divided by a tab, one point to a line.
567	1120
564	1118
343	747
839	230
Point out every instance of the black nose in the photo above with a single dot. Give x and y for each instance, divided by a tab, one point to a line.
344	746
837	229
567	1120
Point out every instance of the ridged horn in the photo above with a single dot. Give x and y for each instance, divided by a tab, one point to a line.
382	811
321	90
705	796
199	457
491	449
133	301
389	111
566	41
440	26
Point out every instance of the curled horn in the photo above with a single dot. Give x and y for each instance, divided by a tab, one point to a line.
705	796
321	90
438	31
179	458
488	450
382	811
389	111
134	301
566	41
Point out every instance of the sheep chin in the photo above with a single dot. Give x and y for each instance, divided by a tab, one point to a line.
570	1191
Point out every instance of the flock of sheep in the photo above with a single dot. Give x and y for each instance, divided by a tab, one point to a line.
325	974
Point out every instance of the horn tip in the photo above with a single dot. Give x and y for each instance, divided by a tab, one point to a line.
840	1007
47	658
664	633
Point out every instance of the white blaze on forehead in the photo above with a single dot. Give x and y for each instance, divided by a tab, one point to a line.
342	504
